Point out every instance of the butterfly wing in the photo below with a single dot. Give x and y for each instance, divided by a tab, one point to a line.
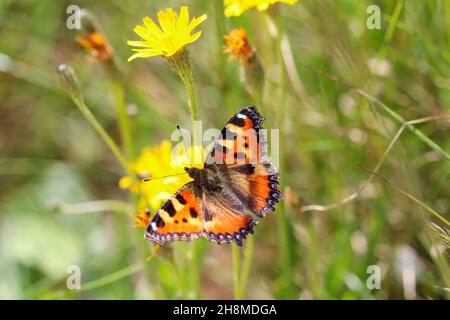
187	215
241	141
242	149
225	219
180	218
256	186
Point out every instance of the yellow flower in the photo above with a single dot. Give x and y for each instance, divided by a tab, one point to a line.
237	7
155	162
173	34
238	45
96	44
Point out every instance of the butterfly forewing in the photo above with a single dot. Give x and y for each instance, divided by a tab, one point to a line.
241	141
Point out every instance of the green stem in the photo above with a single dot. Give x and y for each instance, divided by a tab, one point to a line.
97	283
256	93
416	200
195	276
79	102
117	86
123	118
236	255
258	97
178	267
113	277
424	205
282	222
190	91
181	64
193	267
246	266
188	81
70	83
91	206
223	83
390	31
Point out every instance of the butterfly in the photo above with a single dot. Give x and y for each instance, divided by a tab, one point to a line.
236	177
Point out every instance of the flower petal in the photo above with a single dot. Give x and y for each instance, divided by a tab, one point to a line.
195	36
196	21
183	19
152	27
143	54
167	20
140	43
142	32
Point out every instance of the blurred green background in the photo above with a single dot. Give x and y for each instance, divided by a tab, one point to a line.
54	168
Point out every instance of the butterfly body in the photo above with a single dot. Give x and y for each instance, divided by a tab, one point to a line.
236	178
208	179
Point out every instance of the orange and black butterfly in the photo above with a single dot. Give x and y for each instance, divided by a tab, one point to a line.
236	177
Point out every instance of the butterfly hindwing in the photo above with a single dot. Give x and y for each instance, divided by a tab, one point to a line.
180	218
257	186
225	219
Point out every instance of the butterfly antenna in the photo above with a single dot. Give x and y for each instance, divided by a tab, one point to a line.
163	177
184	143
